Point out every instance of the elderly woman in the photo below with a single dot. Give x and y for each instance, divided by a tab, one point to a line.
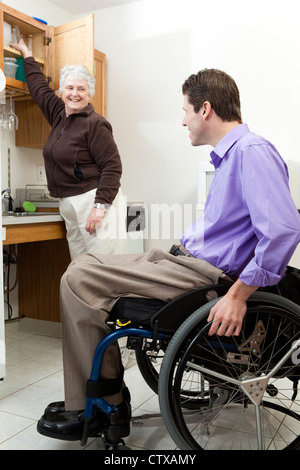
82	161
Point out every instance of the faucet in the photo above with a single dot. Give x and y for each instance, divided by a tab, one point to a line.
10	199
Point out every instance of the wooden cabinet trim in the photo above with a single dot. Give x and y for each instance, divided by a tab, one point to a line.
27	233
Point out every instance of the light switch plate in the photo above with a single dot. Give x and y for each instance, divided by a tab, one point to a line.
41	175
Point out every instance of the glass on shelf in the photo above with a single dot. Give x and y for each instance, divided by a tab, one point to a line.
12	118
29	42
15	35
8	121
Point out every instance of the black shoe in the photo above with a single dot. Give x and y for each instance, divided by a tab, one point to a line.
59	406
54	407
68	425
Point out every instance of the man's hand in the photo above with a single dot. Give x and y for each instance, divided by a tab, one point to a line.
228	313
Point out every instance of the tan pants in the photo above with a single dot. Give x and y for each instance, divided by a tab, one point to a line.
111	237
89	289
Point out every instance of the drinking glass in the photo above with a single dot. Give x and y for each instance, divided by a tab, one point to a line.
15	35
12	118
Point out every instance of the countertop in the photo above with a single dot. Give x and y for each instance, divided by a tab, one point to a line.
35	218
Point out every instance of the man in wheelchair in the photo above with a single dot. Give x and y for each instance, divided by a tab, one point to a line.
247	236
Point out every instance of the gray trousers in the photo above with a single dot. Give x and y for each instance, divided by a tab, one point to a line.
89	289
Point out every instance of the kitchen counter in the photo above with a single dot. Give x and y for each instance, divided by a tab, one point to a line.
36	227
34	218
43	257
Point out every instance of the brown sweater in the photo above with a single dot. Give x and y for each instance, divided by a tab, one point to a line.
80	153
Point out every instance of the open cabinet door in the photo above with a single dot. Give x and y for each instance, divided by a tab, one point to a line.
99	99
74	44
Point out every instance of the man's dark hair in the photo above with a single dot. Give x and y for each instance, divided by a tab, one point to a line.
219	89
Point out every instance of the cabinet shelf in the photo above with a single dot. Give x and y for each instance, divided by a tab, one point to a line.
19	89
27	26
10	52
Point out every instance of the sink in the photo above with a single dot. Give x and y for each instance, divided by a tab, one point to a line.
27	214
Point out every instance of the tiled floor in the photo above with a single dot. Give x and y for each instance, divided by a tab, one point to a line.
34	379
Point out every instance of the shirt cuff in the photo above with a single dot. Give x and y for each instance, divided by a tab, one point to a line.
254	275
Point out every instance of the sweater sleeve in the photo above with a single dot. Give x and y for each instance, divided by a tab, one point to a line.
104	150
43	95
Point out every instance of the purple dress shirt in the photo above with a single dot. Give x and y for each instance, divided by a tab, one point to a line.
250	226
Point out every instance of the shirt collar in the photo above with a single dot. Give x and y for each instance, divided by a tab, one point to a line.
226	143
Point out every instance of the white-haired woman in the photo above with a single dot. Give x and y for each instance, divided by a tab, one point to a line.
82	162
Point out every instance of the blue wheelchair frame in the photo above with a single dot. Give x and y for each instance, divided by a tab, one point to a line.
91	402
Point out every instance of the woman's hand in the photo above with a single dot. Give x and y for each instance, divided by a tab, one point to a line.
21	47
94	220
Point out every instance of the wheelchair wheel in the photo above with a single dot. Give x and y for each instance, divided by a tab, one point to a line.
252	380
149	366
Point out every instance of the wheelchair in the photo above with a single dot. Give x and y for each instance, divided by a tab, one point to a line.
215	392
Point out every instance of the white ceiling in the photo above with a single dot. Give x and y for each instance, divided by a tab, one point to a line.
76	7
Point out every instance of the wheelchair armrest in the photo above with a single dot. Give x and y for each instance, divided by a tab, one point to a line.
172	315
145	312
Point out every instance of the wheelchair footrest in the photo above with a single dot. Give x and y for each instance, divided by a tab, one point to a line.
111	436
113	430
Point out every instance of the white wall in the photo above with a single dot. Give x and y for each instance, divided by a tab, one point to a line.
152	46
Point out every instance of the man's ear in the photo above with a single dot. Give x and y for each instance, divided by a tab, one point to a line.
206	109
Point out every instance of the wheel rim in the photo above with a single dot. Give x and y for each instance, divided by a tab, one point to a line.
232	420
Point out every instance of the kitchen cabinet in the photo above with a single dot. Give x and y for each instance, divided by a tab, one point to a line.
74	44
53	47
41	266
39	33
16	233
43	257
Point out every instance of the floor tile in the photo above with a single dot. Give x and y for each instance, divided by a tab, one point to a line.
30	439
12	424
29	402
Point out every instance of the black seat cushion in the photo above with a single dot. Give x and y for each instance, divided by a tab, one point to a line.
138	310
